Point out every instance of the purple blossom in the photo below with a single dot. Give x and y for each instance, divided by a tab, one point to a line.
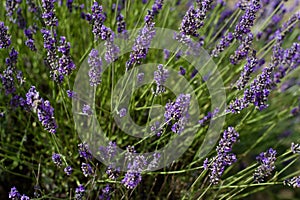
123	112
95	64
68	170
14	194
43	109
247	20
140	77
108	153
194	18
65	62
224	157
182	71
267	165
121	26
295	111
86	169
249	67
166	54
105	193
112	172
71	94
84	151
79	192
11	6
48	13
293	182
131	179
243	50
56	158
4	36
8	82
86	109
160	78
69	4
141	45
176	113
225	41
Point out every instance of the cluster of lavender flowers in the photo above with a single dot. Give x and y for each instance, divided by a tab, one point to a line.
49	13
59	66
43	109
177	113
160	77
95	64
8	75
224	157
86	154
241	33
5	38
101	31
79	192
142	43
194	18
15	195
30	41
267	165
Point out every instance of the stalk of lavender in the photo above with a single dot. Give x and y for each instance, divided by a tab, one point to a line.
267	165
243	50
52	57
11	6
95	64
160	77
43	109
4	36
241	29
121	26
143	40
176	113
49	13
30	41
103	32
66	64
8	75
247	71
194	18
224	157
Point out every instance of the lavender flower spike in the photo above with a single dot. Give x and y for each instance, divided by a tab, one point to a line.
49	14
177	113
95	63
160	77
224	158
4	37
267	165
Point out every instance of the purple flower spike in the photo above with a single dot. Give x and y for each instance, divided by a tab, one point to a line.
68	170
79	192
4	37
267	165
95	64
56	158
177	112
49	14
160	78
224	158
